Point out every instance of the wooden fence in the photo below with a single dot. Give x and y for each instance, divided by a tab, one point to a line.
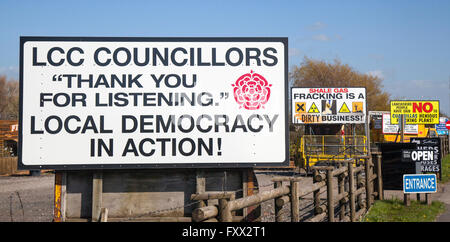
445	149
8	165
354	180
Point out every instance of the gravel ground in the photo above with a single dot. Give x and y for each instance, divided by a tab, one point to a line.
306	204
26	198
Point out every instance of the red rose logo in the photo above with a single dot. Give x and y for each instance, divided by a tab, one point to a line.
252	91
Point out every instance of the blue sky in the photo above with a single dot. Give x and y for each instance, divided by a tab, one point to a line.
407	43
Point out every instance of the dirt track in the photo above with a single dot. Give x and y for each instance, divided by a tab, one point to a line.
26	198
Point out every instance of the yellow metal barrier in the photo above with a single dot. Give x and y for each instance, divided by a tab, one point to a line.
323	148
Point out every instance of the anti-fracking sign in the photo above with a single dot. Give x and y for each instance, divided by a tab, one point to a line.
88	102
415	112
389	128
319	105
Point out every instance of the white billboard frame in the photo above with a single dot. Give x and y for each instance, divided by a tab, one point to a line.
281	153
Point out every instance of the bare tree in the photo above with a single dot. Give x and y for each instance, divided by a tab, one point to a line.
314	73
9	99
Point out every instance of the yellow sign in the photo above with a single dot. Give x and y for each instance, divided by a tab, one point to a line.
344	109
357	107
415	112
313	109
300	107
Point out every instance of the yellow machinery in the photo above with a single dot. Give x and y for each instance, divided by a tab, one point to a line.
316	149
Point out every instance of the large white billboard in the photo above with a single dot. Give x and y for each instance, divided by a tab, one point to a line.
153	102
328	105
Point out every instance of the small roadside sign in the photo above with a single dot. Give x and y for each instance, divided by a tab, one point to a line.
428	154
419	183
441	128
447	124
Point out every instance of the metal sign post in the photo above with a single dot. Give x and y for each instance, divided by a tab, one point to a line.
402	127
419	183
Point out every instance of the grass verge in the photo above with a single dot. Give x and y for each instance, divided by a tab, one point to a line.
445	169
395	211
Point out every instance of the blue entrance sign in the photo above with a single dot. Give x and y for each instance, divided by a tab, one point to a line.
419	183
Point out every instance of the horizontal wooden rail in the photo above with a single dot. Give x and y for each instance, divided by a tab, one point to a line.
320	209
211	195
226	207
281	201
317	218
235	219
339	171
281	179
320	177
341	196
257	198
358	169
360	191
204	213
316	186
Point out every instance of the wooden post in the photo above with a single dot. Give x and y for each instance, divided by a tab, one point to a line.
250	216
407	199
224	213
330	196
379	178
97	190
351	189
278	208
368	184
316	194
232	198
244	191
59	214
295	202
308	168
341	187
200	186
359	184
104	215
428	198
